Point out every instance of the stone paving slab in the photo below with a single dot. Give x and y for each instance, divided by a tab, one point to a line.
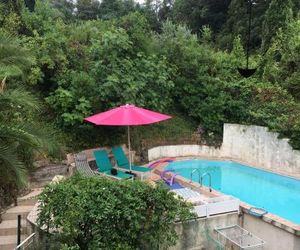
10	239
31	195
12	213
19	209
11	224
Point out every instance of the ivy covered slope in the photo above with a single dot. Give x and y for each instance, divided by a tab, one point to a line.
99	213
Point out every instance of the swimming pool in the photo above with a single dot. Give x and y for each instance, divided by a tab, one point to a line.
275	193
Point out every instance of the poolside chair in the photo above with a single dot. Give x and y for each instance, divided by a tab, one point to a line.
105	167
123	163
82	165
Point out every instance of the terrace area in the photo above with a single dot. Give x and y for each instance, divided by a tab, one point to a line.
217	213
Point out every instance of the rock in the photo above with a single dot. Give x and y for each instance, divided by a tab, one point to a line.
45	174
58	178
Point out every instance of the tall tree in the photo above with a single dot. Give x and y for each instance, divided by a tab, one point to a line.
128	6
116	8
282	60
110	8
196	13
30	4
87	9
278	15
165	9
66	7
237	23
150	9
13	5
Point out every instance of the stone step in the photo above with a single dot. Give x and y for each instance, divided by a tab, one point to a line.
9	227
37	184
9	242
197	248
30	199
33	194
12	213
28	202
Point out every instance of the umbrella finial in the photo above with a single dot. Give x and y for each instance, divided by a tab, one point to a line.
128	105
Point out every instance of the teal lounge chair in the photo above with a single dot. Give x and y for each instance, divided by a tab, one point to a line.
105	167
123	163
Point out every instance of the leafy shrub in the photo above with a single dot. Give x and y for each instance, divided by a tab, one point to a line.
99	213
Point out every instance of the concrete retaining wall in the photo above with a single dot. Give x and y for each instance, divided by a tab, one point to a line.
183	151
198	234
259	147
252	145
275	238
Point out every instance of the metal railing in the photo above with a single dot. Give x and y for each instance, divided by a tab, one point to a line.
27	242
201	179
199	174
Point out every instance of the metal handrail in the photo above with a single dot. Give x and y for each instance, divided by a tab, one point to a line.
195	170
22	244
201	179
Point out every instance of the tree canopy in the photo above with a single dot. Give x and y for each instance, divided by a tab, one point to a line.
86	56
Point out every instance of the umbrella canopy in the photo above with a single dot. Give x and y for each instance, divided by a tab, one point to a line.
127	115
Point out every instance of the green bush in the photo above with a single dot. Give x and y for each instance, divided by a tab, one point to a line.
99	213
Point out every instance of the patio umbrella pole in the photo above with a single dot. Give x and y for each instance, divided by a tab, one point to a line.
129	153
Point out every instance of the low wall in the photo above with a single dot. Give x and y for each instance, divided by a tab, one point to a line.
275	238
183	151
199	234
252	145
259	147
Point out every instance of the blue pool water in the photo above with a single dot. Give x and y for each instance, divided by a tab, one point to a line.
275	193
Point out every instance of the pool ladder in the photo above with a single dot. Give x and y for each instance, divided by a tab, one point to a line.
199	174
201	177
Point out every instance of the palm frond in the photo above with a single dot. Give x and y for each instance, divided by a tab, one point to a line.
17	133
14	59
18	100
11	166
46	137
9	71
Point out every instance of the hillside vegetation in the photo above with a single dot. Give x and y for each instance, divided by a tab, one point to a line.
62	61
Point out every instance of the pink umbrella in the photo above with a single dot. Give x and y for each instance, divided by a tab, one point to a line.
127	115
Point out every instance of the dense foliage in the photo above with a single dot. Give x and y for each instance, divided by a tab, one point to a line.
23	135
100	213
76	58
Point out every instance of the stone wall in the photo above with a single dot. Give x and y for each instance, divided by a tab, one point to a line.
252	145
183	151
259	147
43	175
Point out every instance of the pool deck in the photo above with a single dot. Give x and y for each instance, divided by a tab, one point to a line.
275	220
